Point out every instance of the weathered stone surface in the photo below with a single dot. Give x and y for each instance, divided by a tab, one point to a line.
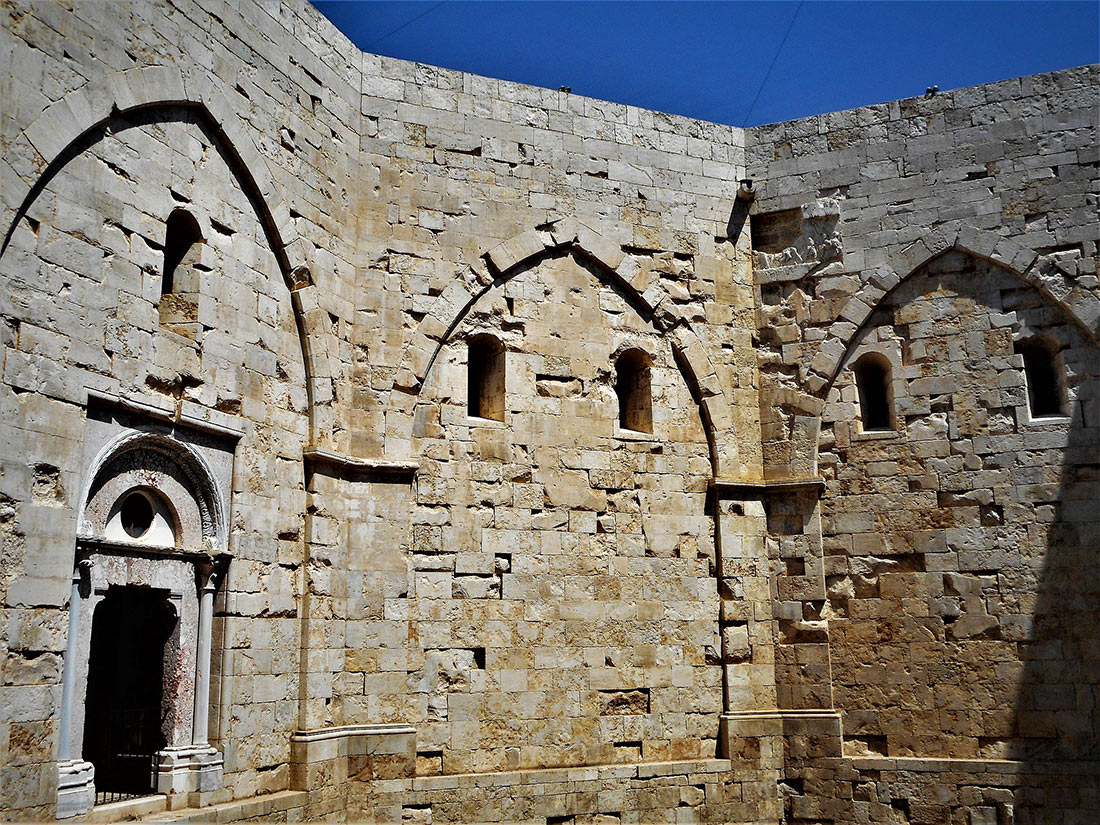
535	613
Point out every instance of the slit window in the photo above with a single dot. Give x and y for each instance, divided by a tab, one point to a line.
1046	395
485	373
635	392
876	407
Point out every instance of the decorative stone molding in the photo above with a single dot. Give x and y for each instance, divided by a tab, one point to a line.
75	787
757	735
382	751
132	459
732	488
190	415
325	460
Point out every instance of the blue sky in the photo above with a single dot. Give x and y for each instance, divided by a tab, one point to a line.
709	60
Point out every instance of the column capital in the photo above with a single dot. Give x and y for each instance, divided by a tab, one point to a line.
211	571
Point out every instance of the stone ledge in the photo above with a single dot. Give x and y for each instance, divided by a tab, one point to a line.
323	744
916	764
579	773
140	808
733	486
320	734
257	806
348	464
190	415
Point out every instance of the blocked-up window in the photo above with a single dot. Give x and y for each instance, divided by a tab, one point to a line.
876	403
179	287
1046	393
774	231
633	387
485	373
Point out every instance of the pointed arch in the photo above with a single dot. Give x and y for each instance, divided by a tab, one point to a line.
45	146
506	259
1079	304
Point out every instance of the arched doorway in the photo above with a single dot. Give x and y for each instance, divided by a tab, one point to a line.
132	649
150	554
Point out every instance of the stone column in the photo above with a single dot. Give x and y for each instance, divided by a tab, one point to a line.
68	678
75	786
200	729
191	774
778	704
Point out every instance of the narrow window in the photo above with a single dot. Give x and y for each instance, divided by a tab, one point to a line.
875	401
180	237
632	386
179	285
485	373
1046	395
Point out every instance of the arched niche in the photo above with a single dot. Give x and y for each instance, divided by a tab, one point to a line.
952	540
517	255
157	94
634	391
557	522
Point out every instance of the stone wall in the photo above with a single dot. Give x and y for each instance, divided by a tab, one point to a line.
957	627
564	592
931	587
425	608
81	279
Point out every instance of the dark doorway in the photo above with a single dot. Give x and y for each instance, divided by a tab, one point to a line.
123	723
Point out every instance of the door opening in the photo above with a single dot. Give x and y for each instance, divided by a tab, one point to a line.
124	713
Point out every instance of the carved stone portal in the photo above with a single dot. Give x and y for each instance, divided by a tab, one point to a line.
151	553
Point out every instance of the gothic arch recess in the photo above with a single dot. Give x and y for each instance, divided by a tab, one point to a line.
903	525
1024	263
59	134
526	250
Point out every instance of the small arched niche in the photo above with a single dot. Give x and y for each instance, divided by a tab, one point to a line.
876	398
633	387
180	288
1044	376
485	377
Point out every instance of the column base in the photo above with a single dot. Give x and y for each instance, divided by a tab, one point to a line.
330	756
188	769
75	787
767	738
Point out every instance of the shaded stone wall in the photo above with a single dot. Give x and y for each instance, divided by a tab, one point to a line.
919	594
947	538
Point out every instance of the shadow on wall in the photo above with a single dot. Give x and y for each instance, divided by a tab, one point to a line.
1057	711
960	534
